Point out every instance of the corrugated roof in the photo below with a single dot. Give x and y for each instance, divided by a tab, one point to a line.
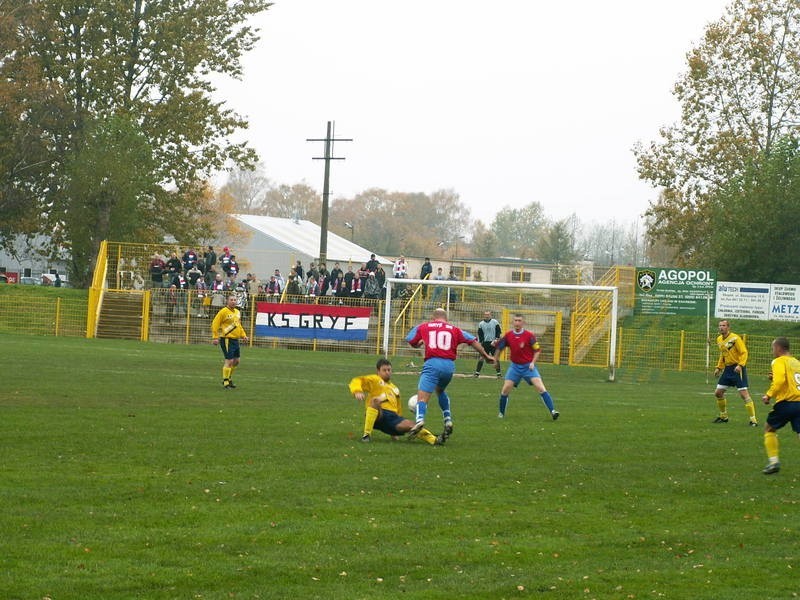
303	237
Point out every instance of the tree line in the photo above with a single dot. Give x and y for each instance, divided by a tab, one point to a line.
728	171
109	130
439	224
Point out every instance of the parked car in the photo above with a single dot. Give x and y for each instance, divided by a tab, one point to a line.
30	280
3	279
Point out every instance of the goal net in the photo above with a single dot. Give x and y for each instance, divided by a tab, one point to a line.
575	324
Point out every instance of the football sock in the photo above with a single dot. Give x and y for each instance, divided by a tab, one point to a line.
444	404
497	366
751	409
479	366
369	420
503	404
771	445
548	401
722	404
422	408
427	436
226	373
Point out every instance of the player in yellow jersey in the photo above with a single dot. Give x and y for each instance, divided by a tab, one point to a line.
227	330
785	391
383	409
732	372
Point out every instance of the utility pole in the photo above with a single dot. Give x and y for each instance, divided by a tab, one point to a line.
323	224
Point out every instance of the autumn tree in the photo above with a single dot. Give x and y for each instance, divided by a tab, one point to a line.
111	68
399	222
518	229
768	193
738	96
247	188
557	246
299	201
484	241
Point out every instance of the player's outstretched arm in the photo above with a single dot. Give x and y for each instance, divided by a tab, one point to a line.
487	357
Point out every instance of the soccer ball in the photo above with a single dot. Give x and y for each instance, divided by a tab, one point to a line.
412	403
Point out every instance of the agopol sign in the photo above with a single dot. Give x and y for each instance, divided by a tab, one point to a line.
673	291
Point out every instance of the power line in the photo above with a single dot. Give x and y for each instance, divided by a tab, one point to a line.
323	225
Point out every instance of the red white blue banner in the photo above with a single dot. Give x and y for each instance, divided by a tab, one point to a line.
312	321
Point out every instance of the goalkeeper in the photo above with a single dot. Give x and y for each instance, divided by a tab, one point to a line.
382	401
489	333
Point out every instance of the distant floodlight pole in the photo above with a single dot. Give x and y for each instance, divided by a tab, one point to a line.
323	224
351	227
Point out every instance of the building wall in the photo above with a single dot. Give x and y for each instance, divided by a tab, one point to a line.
465	270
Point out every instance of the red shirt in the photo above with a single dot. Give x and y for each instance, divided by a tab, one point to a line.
523	346
441	339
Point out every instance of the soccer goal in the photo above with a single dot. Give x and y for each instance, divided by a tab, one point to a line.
576	324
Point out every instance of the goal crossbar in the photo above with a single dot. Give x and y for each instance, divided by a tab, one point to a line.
446	283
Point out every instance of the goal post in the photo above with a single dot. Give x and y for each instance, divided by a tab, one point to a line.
591	313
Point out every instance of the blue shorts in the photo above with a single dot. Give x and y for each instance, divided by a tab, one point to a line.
229	347
388	421
731	378
784	412
436	372
517	372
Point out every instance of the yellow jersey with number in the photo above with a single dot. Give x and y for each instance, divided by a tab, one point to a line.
375	387
785	379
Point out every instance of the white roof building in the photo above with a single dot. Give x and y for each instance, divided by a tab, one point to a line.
278	243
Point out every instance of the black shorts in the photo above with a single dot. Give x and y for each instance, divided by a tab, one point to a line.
388	421
229	347
487	346
783	412
730	378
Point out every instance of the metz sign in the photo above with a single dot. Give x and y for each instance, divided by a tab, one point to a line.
661	291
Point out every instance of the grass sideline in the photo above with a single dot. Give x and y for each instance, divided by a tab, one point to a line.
128	473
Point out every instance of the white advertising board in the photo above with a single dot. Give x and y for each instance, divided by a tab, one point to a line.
784	304
757	301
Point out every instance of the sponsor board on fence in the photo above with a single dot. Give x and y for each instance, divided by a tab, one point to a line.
312	321
758	301
672	291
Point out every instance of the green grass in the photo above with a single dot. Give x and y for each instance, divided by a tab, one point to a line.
128	473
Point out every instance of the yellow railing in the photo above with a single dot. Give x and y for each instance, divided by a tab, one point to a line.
96	290
45	315
55	315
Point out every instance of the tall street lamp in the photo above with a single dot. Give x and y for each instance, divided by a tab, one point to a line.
351	228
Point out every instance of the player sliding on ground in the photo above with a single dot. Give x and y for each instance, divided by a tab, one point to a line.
381	398
524	349
441	340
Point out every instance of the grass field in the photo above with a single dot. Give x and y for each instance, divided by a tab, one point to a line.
126	472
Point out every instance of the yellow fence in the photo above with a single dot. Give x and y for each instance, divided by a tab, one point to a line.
154	319
45	315
683	350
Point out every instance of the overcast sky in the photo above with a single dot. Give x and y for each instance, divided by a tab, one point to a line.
506	102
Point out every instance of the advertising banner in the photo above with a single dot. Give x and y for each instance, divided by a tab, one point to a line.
784	302
312	321
672	291
737	300
758	301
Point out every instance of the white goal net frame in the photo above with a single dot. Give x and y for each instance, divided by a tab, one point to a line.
447	286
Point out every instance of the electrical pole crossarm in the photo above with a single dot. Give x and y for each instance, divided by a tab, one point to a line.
323	224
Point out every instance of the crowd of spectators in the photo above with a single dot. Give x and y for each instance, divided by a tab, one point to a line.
201	282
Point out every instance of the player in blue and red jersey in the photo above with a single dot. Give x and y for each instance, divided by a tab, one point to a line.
524	350
441	340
